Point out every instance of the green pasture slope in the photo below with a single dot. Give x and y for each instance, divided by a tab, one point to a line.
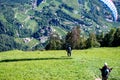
55	65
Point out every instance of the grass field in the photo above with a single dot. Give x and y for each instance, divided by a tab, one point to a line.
55	65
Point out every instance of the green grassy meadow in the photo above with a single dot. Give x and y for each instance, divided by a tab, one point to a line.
55	65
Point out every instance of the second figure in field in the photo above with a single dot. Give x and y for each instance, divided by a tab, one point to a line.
69	50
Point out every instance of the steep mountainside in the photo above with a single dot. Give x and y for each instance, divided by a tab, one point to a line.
30	22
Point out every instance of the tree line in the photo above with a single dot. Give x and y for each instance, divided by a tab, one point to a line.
73	38
79	41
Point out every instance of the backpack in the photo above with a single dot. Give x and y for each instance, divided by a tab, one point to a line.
106	72
69	48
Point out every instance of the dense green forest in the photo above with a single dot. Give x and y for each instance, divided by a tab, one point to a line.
78	41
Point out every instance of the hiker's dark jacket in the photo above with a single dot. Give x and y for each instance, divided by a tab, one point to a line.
105	71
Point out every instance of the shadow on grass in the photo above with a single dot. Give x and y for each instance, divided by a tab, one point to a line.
33	59
114	79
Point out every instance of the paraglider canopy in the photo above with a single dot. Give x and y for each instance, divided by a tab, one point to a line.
111	6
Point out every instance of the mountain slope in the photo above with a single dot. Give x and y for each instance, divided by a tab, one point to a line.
32	21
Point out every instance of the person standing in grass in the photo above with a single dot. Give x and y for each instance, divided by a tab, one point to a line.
105	70
68	49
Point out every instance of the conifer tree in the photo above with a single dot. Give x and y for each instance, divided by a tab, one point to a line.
92	41
116	41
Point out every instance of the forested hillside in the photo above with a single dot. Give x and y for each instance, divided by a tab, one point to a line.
29	23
